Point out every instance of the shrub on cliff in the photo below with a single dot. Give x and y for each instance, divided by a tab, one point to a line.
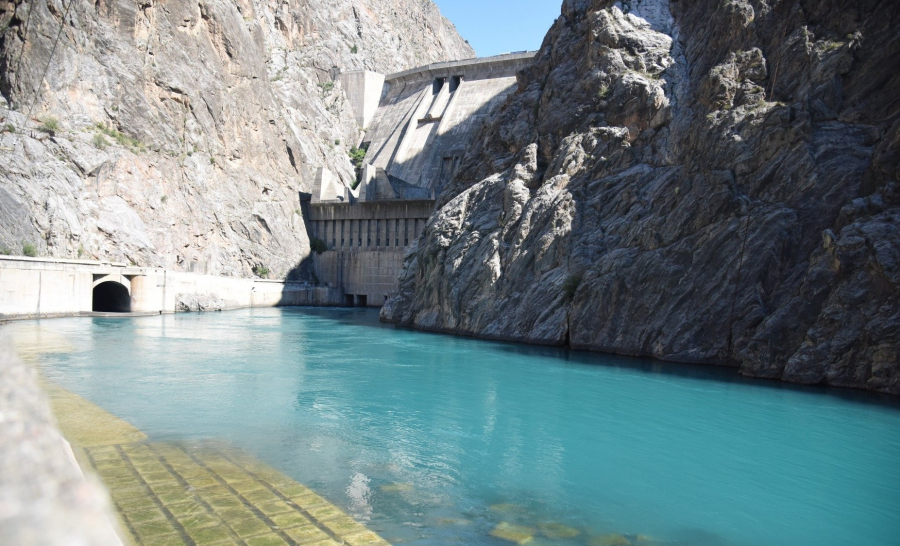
29	250
318	245
100	141
49	125
357	157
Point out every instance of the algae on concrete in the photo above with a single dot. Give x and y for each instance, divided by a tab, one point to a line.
203	493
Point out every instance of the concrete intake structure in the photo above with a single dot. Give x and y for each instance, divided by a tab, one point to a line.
414	140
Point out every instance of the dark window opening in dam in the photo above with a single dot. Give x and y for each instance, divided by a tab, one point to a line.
454	83
111	297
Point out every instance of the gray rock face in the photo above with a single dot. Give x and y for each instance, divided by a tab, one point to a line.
187	129
199	303
707	181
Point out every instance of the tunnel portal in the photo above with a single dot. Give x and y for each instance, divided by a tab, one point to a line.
111	297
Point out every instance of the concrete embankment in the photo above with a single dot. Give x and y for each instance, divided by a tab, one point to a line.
48	287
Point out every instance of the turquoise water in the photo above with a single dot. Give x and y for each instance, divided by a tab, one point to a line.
433	439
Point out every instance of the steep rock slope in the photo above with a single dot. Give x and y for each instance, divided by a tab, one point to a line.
699	181
186	129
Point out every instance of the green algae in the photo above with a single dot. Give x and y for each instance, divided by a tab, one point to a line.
513	533
557	530
166	492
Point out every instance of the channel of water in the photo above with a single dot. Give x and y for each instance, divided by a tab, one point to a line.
434	439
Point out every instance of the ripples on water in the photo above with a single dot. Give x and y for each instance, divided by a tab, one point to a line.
433	439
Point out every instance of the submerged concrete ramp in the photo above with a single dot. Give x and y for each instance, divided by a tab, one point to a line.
197	493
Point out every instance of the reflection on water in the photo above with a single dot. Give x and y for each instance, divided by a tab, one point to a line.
31	340
434	439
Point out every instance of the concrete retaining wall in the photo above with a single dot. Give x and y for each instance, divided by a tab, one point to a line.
371	274
42	287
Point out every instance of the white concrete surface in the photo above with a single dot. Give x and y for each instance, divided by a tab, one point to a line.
363	90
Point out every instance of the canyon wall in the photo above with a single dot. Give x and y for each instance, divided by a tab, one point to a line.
704	181
180	133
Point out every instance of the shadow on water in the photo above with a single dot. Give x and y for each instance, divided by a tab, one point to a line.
368	318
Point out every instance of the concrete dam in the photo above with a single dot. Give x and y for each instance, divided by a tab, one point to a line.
418	124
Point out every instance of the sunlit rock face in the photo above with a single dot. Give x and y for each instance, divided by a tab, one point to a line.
705	181
186	130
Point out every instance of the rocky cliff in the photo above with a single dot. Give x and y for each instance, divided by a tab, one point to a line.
179	133
701	181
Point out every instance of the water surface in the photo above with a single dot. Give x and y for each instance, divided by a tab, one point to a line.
432	439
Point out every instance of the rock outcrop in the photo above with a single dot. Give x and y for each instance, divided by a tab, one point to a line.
704	181
179	134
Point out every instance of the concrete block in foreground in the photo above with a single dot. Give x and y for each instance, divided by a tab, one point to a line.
44	497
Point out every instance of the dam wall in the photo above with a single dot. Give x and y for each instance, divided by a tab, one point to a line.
47	287
366	243
418	125
428	116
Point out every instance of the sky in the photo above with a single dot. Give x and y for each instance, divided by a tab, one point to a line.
501	26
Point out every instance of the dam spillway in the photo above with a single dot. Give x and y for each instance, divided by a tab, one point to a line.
418	124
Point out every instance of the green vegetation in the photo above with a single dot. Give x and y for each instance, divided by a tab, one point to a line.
337	142
261	271
357	157
29	250
604	92
5	251
80	251
49	125
354	50
570	286
212	160
120	137
10	128
164	198
318	245
100	141
326	87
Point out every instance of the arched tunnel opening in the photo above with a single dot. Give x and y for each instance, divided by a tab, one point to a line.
111	297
